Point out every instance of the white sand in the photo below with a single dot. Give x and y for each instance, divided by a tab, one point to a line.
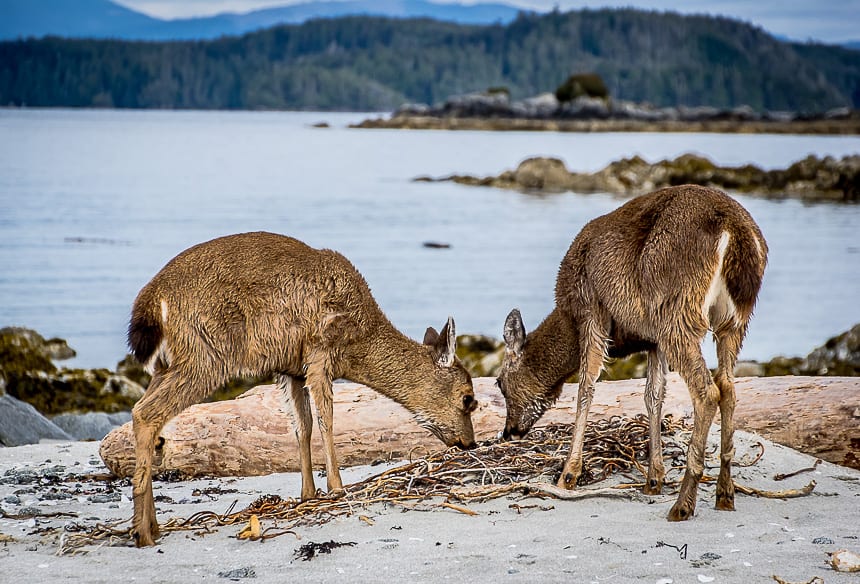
594	540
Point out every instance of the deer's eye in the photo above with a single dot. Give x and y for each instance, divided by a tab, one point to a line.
469	403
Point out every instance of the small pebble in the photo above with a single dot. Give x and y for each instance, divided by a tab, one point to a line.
238	573
822	541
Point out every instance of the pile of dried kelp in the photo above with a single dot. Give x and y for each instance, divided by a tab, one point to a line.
445	478
493	469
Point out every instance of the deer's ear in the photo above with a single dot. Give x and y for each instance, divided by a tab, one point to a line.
515	333
337	326
431	336
444	344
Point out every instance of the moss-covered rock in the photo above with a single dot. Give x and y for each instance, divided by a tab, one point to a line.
21	351
29	374
131	368
582	85
839	356
481	355
826	179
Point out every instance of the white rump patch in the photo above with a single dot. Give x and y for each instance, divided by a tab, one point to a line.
162	353
164	311
718	306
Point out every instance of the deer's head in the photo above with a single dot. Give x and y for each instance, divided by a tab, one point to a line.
526	397
447	398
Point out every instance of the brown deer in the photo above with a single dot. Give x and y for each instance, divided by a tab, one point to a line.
654	275
265	304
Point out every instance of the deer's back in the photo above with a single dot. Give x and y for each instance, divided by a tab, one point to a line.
255	299
657	254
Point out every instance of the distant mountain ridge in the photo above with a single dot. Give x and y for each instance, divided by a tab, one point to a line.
105	19
372	63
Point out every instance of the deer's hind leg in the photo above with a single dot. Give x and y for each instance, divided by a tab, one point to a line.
655	392
685	356
593	354
729	341
294	391
170	391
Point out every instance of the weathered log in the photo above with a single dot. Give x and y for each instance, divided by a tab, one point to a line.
252	434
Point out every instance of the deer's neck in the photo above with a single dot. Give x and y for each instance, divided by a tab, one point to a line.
552	350
391	363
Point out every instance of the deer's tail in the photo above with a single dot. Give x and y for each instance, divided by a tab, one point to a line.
743	266
144	330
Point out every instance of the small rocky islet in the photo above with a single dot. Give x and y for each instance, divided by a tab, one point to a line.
38	400
810	179
591	109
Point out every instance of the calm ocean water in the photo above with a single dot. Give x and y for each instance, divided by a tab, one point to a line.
93	203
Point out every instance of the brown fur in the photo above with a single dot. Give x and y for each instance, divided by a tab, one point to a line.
636	280
265	304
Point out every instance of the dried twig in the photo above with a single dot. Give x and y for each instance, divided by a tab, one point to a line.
814	580
783	494
782	477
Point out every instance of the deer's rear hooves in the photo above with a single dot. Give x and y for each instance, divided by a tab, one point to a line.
725	503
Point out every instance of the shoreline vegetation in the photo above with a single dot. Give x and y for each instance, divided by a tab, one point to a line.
595	111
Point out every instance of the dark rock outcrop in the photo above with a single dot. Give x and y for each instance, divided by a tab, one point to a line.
839	356
28	373
587	112
812	178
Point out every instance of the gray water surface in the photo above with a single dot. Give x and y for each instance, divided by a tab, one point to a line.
93	203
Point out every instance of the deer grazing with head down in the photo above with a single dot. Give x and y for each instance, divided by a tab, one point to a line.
654	275
265	304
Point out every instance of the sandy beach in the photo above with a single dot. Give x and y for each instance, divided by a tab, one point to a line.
47	496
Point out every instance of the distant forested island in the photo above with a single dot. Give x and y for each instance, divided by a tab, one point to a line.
378	64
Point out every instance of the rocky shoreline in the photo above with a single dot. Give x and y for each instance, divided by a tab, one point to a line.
495	111
810	179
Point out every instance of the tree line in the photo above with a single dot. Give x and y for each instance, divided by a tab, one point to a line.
372	63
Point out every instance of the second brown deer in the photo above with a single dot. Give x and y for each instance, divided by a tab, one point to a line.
654	275
264	304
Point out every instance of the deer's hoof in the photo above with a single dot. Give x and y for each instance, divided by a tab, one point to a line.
725	502
680	512
145	534
653	487
567	480
336	493
143	538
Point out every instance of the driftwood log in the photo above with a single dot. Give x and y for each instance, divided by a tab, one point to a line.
252	434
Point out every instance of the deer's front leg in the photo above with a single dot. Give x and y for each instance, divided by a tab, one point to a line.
319	383
655	391
293	390
593	354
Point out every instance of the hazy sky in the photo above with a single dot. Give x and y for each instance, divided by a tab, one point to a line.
826	20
